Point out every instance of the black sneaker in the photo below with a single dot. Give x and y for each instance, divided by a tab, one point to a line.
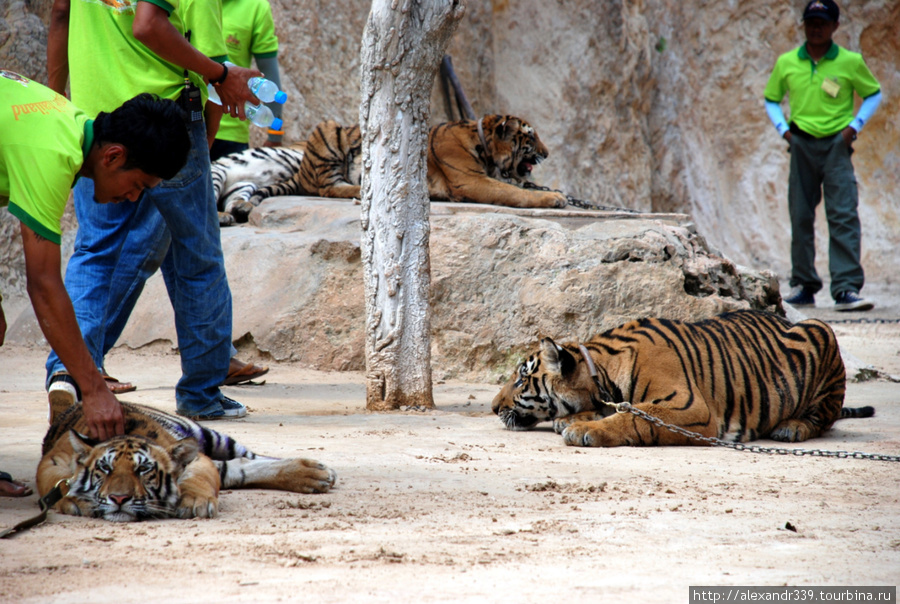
231	409
846	301
800	297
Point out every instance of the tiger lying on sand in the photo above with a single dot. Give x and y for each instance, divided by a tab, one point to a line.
164	466
483	161
740	376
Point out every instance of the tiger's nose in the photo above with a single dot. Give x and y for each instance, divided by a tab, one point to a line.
120	499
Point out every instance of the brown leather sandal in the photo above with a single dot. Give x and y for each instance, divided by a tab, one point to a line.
240	373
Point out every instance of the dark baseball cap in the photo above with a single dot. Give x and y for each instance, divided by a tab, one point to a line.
822	9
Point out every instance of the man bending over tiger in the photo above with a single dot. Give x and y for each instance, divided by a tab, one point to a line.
485	161
738	377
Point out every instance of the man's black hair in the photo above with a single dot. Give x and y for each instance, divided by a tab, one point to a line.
152	129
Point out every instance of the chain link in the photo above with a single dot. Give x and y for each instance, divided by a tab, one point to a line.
627	408
863	320
578	203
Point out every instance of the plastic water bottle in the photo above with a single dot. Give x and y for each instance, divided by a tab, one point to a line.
262	116
259	115
266	91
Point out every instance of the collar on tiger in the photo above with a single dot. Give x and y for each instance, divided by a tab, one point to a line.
606	397
485	156
587	359
481	134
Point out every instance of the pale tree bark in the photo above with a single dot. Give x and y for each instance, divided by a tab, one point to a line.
402	47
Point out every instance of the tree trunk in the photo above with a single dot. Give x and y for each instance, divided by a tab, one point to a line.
402	46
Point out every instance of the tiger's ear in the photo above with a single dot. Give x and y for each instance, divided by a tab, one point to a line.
184	452
81	444
556	358
501	130
507	127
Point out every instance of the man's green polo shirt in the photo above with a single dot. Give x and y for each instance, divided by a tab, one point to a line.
44	141
249	32
820	94
108	66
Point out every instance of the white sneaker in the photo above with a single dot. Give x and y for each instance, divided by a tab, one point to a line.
62	394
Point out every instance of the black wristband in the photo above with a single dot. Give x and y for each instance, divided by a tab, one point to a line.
221	78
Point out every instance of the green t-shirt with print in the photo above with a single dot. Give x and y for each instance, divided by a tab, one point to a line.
44	142
249	32
108	66
820	94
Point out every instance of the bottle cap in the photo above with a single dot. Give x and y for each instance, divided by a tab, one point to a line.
280	97
276	124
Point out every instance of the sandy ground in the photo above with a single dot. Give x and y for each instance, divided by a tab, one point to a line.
446	506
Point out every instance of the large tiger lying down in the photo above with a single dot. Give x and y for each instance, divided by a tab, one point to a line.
483	161
164	466
738	377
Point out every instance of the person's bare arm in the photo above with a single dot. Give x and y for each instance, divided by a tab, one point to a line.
153	28
58	47
213	114
56	317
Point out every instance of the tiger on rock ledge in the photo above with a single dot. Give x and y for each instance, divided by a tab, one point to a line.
489	161
738	377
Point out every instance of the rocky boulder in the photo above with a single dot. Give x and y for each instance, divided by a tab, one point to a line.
500	278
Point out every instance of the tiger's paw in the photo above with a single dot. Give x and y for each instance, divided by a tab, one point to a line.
309	476
241	209
791	431
554	199
561	423
582	434
225	219
68	506
197	506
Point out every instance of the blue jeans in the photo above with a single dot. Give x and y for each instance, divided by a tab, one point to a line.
119	246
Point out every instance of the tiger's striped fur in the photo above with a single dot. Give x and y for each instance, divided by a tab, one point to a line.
488	161
237	176
740	376
330	167
164	466
485	161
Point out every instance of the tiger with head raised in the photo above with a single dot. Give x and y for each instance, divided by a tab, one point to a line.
164	466
476	161
738	377
488	161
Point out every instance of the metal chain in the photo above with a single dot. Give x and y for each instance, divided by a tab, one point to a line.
627	408
863	320
578	203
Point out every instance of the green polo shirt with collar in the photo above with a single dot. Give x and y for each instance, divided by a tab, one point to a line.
108	65
820	94
44	142
249	32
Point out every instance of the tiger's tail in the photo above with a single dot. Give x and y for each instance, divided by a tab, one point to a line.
851	412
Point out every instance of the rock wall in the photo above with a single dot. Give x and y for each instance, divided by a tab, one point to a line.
649	104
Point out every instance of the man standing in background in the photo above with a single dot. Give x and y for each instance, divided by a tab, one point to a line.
249	34
820	78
